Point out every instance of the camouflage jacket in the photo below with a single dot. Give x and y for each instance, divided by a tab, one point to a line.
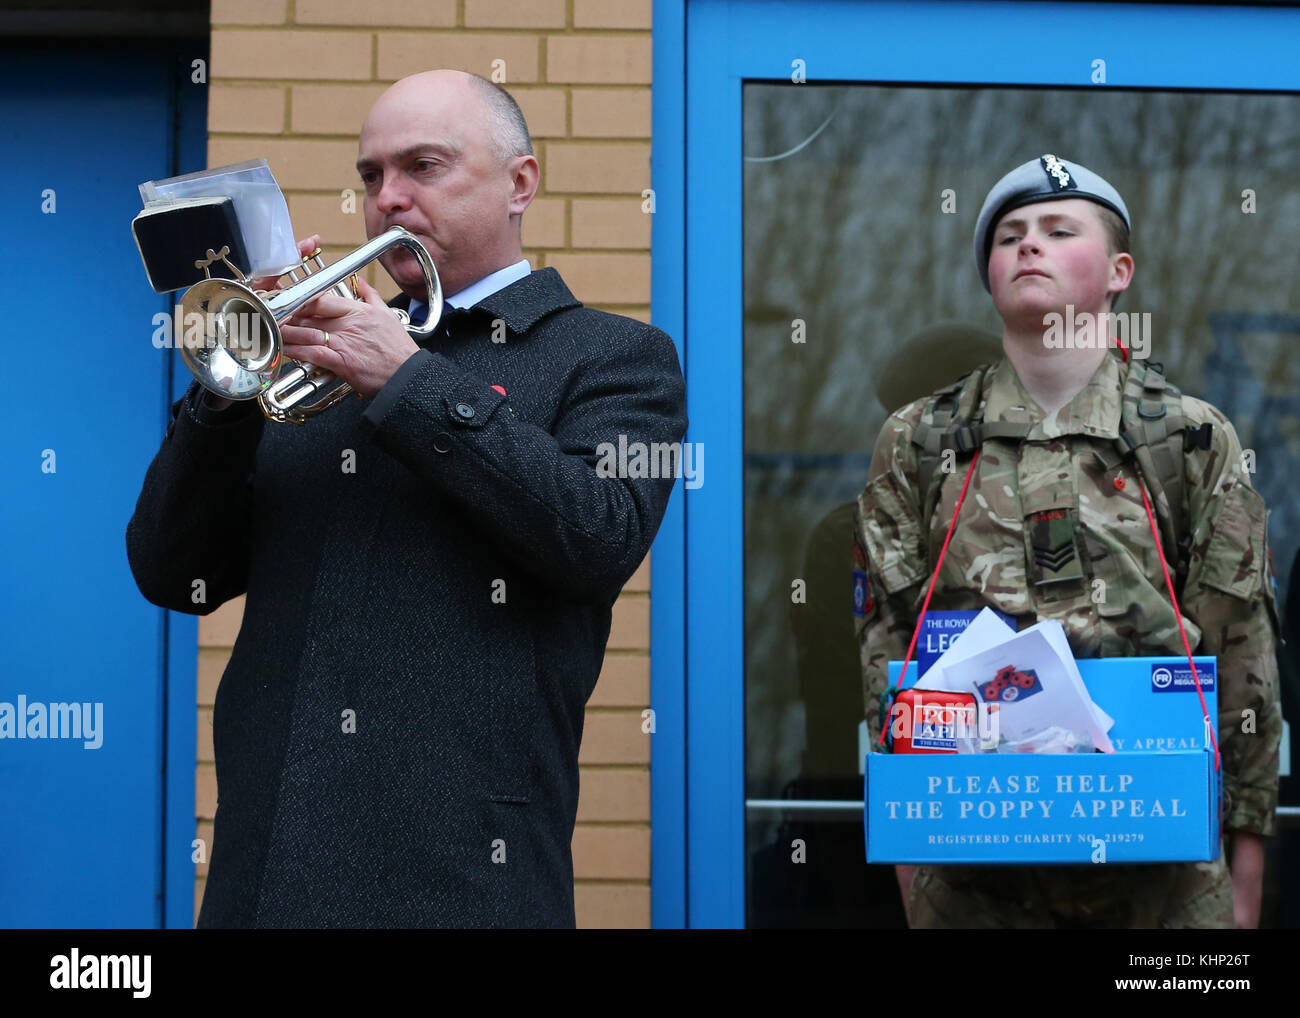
1118	605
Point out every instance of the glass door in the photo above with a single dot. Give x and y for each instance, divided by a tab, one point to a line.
836	162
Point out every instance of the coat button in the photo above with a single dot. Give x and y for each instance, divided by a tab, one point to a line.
465	410
442	442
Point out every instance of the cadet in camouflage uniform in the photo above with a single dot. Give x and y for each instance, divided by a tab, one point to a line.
1054	526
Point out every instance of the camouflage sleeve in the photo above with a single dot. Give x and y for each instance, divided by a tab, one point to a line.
1229	594
889	558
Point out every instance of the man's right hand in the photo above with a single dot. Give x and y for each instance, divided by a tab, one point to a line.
305	247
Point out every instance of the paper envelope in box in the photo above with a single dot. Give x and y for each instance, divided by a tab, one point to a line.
1156	799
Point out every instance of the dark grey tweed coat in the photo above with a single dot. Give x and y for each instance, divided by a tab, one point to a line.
372	592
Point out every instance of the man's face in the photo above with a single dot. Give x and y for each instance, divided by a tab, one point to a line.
428	164
1051	254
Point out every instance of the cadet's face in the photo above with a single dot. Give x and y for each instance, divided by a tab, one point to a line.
1048	255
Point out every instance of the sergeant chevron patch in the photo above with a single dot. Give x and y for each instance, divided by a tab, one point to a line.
1052	546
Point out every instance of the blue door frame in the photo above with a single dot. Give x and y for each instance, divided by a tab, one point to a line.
91	837
704	50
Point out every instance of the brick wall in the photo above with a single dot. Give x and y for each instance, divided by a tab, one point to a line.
291	80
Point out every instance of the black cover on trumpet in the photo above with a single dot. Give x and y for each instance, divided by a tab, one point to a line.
172	236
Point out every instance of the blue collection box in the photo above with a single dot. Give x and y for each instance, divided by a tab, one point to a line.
1156	799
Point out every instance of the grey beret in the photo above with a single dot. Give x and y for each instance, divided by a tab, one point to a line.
1044	179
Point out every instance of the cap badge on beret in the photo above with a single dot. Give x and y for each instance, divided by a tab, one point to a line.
1058	177
1046	178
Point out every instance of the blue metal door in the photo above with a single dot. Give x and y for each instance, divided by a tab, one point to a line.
97	696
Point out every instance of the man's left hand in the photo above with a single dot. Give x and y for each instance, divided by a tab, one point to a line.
366	341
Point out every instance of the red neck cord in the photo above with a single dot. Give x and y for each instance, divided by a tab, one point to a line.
1178	614
926	605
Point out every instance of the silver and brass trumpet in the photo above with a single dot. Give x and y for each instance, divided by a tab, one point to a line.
237	350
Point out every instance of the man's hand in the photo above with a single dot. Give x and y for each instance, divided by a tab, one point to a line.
366	341
305	247
1247	869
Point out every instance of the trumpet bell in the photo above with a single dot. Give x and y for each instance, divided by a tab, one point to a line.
230	340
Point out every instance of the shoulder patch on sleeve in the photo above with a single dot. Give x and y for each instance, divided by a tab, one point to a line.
891	534
1235	561
864	603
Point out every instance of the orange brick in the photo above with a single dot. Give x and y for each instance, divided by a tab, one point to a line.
611	113
204	731
599	59
212	664
614	795
611	853
332	109
243	108
606	279
612	13
630	626
333	252
409	53
543	109
203	832
297	164
405	13
205	791
614	222
624	682
543	224
611	169
614	737
247	12
612	906
513	14
221	627
323	214
640	580
288	53
382	282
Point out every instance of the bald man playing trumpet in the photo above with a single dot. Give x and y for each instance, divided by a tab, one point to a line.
429	570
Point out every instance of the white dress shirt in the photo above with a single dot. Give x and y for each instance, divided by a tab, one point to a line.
475	292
